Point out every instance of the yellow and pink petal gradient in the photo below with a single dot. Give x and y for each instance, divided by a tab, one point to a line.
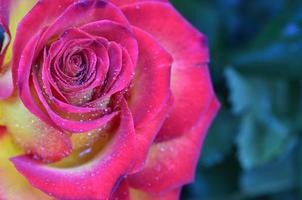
101	100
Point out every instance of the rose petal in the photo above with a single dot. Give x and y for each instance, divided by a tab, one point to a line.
192	90
23	83
2	131
4	19
127	2
116	32
51	9
121	192
124	192
34	136
82	12
11	13
190	83
116	63
171	164
150	97
69	124
4	11
27	98
6	85
13	185
145	135
93	180
186	44
77	11
151	84
139	195
48	81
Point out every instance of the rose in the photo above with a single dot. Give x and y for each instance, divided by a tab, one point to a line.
109	100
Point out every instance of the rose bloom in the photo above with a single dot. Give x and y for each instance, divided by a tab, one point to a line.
100	100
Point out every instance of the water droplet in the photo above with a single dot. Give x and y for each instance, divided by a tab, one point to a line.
85	152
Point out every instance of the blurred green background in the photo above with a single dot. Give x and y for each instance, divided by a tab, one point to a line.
254	149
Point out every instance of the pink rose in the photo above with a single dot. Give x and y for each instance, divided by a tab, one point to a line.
104	99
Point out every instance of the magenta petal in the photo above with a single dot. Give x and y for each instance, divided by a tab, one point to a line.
116	63
169	195
70	125
6	85
121	192
4	11
93	180
23	83
59	15
2	131
145	136
150	96
192	90
114	32
51	9
151	84
171	164
127	2
83	12
190	83
4	19
178	36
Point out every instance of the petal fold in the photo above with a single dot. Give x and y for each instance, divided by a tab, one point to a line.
6	85
93	180
150	96
171	164
128	2
170	195
190	83
33	135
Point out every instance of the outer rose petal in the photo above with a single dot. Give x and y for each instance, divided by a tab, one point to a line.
121	192
192	90
190	83
172	163
127	2
151	84
93	180
32	134
146	133
4	11
171	195
13	186
150	96
124	192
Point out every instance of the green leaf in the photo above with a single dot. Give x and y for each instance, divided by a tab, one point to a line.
275	177
280	59
246	94
280	26
262	140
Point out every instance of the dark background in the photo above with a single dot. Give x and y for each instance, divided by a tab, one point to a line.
253	150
